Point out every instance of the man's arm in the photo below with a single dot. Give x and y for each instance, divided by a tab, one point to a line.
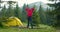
26	8
33	9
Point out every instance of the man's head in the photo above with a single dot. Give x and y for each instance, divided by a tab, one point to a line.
28	6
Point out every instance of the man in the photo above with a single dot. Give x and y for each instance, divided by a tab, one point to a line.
29	16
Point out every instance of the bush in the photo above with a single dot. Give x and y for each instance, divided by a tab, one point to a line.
2	20
36	18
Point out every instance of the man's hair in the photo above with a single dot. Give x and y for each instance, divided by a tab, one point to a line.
27	5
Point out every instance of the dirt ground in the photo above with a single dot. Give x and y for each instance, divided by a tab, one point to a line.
57	29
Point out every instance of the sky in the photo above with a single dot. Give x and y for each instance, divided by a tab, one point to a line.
21	2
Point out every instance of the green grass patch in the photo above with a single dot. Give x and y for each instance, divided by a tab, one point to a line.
43	28
8	30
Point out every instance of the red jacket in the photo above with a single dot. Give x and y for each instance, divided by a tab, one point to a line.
29	11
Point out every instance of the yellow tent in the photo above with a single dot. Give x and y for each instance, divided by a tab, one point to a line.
13	21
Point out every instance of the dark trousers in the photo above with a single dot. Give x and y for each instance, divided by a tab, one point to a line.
30	22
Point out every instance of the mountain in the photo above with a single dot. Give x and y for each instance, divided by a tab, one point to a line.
37	4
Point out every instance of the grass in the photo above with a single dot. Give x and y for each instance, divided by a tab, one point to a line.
35	30
43	28
8	30
25	30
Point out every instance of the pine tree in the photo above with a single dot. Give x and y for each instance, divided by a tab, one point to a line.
17	11
3	11
48	21
56	12
41	14
10	12
36	17
24	16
